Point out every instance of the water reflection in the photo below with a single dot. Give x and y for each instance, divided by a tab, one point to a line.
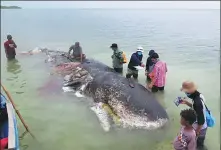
13	66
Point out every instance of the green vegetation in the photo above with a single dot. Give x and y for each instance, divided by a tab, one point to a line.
10	7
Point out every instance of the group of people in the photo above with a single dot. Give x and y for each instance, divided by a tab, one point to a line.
155	68
194	126
193	121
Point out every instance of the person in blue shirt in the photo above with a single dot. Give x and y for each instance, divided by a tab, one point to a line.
135	60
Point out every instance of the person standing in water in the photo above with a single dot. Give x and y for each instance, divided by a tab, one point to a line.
10	46
198	104
149	65
117	58
135	60
158	75
77	52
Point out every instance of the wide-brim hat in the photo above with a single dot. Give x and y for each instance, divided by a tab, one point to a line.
188	87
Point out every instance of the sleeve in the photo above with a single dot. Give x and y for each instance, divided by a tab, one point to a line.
199	112
6	45
147	64
192	144
136	60
15	44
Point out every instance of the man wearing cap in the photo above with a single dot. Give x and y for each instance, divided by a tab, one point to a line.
135	60
10	48
117	58
149	65
158	75
200	126
77	52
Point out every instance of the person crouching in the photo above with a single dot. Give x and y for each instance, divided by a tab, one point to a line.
158	74
135	60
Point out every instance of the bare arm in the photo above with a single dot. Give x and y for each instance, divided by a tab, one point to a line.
70	49
188	104
81	54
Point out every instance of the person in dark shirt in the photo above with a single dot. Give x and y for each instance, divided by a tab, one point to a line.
10	48
135	60
149	65
198	100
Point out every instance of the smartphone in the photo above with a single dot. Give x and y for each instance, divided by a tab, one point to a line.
178	101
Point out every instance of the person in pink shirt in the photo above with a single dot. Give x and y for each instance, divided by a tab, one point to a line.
158	74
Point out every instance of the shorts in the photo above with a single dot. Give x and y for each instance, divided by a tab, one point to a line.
79	56
156	89
133	73
119	70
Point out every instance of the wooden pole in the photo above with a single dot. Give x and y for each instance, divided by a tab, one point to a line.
16	110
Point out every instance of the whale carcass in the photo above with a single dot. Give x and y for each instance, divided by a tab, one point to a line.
135	107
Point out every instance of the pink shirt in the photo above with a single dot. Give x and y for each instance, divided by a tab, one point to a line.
159	72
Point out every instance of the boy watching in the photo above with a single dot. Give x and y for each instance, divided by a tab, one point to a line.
186	139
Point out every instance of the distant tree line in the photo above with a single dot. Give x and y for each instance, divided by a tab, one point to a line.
10	7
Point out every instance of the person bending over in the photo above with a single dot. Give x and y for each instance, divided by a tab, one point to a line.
77	52
158	75
135	60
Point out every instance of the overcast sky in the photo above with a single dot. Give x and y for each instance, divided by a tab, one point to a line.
117	4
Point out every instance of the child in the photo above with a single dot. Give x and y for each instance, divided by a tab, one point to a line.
186	139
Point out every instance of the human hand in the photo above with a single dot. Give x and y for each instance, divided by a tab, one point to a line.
150	86
183	101
146	73
142	65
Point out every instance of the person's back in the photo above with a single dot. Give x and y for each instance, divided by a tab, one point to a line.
159	70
